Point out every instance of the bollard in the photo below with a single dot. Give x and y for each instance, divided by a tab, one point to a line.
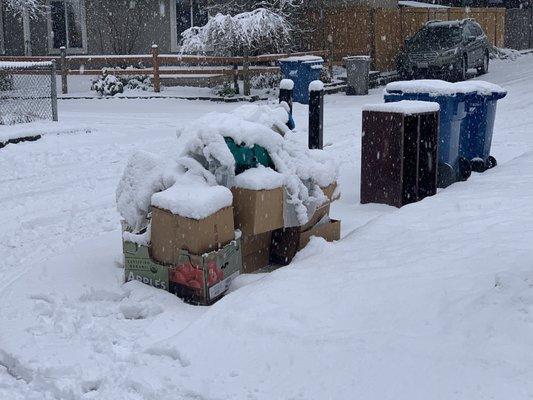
316	115
286	87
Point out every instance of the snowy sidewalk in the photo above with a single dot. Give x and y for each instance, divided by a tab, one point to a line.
430	301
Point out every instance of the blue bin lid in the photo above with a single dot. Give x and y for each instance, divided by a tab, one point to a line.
436	87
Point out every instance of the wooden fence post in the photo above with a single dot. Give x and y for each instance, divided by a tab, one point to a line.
246	74
64	70
236	78
155	68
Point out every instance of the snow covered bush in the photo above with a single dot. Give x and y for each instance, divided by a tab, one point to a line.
265	81
257	31
224	90
141	82
110	85
107	84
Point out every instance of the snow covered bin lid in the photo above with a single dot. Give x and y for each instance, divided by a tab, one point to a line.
405	107
436	87
306	59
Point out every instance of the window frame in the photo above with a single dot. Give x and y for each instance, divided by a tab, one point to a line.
70	50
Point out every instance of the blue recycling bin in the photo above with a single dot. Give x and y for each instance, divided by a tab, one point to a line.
302	70
453	112
478	126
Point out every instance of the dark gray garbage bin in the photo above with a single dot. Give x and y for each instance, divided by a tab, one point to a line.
357	74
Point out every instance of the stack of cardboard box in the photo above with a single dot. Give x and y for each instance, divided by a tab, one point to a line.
197	259
265	240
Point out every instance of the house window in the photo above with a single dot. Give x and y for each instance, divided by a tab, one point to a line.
67	25
184	14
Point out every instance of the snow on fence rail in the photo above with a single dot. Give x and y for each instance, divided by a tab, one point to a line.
160	65
27	92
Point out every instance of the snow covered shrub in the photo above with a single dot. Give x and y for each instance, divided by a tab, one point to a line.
224	90
107	84
265	81
257	31
141	82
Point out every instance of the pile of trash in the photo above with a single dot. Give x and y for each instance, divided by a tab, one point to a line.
244	193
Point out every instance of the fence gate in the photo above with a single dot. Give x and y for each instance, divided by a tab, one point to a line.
27	92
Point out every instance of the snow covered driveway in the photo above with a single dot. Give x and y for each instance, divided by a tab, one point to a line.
432	301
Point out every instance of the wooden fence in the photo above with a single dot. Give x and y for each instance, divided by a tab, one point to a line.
159	66
380	33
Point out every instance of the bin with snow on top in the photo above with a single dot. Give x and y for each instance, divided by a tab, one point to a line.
302	70
399	152
478	126
452	99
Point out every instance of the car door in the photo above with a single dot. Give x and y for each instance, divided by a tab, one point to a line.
471	45
476	45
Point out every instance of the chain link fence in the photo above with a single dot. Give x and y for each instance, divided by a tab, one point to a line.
27	92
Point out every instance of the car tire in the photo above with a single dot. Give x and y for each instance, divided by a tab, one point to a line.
485	66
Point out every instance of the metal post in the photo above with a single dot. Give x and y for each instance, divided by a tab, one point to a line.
155	67
316	115
64	70
53	90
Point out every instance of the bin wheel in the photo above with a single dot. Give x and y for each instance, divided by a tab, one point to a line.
491	162
478	165
446	175
465	169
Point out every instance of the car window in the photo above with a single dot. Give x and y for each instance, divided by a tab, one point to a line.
468	31
477	29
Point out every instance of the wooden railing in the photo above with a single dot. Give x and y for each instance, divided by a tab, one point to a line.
159	65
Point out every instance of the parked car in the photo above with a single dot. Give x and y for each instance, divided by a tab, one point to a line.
447	48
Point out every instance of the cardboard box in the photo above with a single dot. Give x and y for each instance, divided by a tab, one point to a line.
288	241
258	211
256	260
173	233
196	279
255	251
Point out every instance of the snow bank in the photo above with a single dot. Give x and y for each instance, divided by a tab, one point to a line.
193	199
259	178
316	86
437	87
406	107
41	128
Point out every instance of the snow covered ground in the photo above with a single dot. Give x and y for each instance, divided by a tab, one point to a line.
432	301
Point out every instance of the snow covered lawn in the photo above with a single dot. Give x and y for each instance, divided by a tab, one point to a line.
432	301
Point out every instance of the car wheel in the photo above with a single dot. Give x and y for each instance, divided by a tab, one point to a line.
485	67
